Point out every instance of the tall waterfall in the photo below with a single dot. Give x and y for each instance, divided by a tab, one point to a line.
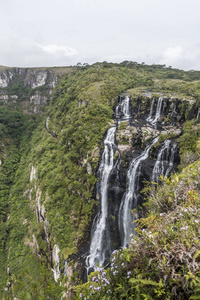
100	241
154	120
130	197
123	108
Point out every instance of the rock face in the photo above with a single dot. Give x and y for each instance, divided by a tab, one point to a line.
32	88
56	262
38	78
146	144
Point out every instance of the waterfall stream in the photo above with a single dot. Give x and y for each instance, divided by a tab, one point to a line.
154	120
100	242
164	162
130	197
100	249
171	162
151	111
159	167
123	108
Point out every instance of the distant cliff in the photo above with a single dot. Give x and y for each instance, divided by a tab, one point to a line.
29	88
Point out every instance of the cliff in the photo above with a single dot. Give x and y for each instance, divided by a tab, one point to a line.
29	88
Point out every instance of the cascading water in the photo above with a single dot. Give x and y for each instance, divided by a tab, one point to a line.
100	249
158	110
154	120
150	119
198	113
165	161
171	162
100	243
159	167
123	108
129	200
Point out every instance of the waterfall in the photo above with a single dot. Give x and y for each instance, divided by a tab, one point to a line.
100	241
198	112
159	167
150	119
158	110
154	120
129	199
123	108
163	160
171	162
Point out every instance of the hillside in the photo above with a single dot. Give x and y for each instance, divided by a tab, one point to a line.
55	143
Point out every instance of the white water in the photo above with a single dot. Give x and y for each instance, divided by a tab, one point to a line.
154	120
163	160
125	216
198	112
159	167
171	162
100	236
123	108
150	119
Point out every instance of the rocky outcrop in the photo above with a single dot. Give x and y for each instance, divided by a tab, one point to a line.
8	75
32	88
33	245
8	98
56	262
32	78
37	78
39	100
173	109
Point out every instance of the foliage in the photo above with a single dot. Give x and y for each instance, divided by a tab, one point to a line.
18	88
189	143
42	289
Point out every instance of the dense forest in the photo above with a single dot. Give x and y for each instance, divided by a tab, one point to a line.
51	147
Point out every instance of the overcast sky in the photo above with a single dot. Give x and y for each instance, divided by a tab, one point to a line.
65	32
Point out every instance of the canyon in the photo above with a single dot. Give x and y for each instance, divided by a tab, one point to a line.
78	148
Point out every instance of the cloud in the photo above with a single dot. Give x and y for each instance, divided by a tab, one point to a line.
59	50
172	54
25	52
184	57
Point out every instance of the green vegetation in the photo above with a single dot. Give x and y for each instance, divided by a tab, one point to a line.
190	143
16	130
